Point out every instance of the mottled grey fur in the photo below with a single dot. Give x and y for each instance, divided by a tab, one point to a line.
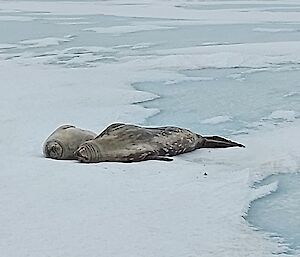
64	141
129	143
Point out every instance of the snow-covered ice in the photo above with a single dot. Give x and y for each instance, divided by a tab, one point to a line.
274	30
200	65
127	29
43	42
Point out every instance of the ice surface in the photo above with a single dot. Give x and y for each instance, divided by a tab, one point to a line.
127	29
216	120
279	211
237	95
283	115
275	30
211	67
44	42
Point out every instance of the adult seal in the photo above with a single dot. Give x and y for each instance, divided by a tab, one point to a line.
64	141
129	143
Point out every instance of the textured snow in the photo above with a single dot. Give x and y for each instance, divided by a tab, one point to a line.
43	42
127	29
283	115
15	18
273	30
154	9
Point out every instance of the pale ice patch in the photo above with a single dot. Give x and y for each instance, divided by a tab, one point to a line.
88	49
263	191
62	18
44	42
127	29
7	46
80	56
186	79
74	23
138	46
291	94
283	115
275	30
217	120
253	55
153	9
15	18
142	46
214	43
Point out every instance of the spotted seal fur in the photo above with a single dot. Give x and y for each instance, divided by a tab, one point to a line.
129	143
64	141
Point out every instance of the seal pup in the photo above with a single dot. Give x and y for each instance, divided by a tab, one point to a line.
64	141
129	143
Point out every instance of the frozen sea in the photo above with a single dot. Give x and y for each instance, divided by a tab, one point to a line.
230	68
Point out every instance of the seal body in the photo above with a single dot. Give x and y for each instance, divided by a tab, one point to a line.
128	143
64	141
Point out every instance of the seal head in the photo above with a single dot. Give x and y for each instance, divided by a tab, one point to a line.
88	152
53	149
64	141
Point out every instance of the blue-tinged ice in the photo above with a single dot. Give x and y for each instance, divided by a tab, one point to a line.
279	212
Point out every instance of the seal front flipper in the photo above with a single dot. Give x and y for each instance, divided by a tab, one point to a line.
159	158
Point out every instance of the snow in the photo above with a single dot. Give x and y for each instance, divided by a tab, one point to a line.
184	79
127	29
154	9
273	30
153	209
283	115
15	18
254	55
43	42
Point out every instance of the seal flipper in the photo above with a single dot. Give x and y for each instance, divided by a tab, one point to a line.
111	128
147	158
158	158
217	142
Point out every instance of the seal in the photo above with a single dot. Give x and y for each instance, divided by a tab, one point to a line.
64	141
129	143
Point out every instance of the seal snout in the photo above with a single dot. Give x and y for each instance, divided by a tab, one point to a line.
53	150
82	154
88	152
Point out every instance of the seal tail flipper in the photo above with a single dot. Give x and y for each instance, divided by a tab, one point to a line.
218	142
